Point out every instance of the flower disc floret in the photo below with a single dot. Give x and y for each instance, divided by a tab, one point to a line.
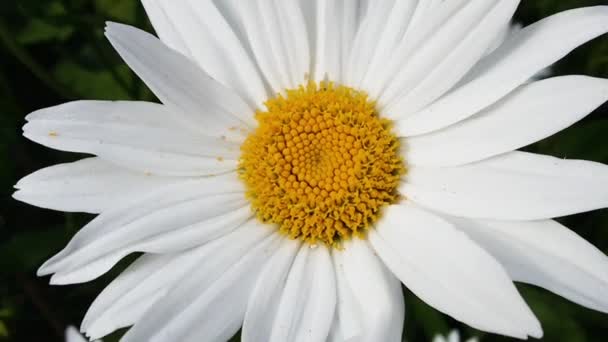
321	164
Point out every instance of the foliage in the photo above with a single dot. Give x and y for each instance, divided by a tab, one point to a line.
53	51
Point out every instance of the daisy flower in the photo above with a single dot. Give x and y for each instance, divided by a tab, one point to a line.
453	336
308	157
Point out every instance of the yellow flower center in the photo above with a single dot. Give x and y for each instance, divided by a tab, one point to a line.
321	164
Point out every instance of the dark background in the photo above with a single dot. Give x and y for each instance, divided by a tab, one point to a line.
53	51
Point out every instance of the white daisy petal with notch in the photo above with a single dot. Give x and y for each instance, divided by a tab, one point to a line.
535	111
545	254
136	135
513	186
522	56
466	283
90	185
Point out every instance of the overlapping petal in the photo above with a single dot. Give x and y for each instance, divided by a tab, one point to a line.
308	300
152	277
172	219
284	61
424	27
446	56
198	30
532	113
136	135
191	94
529	51
370	301
210	302
546	254
513	186
395	25
450	272
265	298
89	185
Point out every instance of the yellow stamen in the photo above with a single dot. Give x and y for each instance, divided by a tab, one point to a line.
321	164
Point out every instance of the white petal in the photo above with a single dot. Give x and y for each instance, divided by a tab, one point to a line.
288	20
533	112
428	17
373	309
308	300
514	186
450	272
350	17
72	335
334	27
440	65
180	84
165	27
335	334
209	304
395	24
130	295
363	48
169	220
230	10
515	62
507	30
136	135
546	254
454	336
268	42
266	295
151	277
211	42
89	185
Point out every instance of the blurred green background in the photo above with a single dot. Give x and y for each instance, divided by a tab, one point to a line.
53	51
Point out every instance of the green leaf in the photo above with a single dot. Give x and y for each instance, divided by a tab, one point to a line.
3	330
124	11
91	84
39	31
